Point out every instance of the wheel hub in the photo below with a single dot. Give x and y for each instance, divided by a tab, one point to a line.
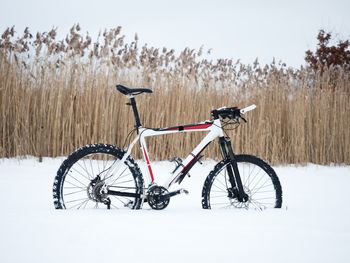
96	191
233	195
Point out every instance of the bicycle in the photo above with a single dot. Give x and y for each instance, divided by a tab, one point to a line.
105	176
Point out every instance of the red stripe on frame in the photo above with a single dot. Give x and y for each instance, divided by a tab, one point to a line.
198	127
189	127
148	164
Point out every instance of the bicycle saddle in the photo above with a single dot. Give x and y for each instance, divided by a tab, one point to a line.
129	91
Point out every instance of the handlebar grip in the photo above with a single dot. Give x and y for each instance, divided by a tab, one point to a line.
249	108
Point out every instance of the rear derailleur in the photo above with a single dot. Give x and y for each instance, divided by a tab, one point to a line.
98	193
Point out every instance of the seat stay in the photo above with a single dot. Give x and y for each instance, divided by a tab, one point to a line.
115	167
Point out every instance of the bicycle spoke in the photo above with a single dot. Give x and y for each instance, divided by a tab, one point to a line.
254	178
75	170
85	168
115	182
69	187
259	182
83	203
90	176
92	169
119	200
255	205
250	172
219	188
75	192
260	192
98	166
264	198
76	186
259	204
110	171
118	176
78	204
128	181
106	170
78	181
257	190
219	203
86	203
224	185
215	191
218	196
76	200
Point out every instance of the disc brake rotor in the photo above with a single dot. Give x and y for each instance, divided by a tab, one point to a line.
95	190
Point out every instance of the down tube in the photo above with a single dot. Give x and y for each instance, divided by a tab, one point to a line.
212	135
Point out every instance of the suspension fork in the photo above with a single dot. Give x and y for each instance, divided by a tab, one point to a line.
232	170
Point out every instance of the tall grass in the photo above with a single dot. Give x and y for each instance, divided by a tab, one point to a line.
58	95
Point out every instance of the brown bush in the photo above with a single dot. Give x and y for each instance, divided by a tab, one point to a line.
328	55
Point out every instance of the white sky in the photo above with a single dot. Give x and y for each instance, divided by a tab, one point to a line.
243	29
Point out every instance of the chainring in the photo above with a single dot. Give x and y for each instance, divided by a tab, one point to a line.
156	198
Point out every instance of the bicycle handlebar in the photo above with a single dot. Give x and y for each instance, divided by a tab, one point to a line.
232	112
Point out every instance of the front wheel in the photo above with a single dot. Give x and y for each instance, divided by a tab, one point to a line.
86	176
259	180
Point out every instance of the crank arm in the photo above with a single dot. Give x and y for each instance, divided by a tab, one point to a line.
171	194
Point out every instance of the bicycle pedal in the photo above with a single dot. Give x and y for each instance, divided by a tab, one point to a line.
129	204
184	191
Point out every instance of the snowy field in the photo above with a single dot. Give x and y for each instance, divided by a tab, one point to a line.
313	226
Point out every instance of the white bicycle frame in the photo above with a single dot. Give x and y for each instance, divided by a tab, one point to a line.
213	128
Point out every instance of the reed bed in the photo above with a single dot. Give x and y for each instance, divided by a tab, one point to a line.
57	95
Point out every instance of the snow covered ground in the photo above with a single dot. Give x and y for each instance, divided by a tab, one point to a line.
313	226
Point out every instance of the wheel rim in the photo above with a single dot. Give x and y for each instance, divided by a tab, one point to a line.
80	191
256	183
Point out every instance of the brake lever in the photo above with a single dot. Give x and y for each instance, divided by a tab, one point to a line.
243	119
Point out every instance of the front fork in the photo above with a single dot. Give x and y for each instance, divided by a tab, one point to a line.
232	170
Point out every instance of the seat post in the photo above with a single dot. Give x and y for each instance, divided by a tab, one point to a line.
136	113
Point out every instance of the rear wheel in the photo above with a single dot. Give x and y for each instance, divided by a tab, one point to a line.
84	177
259	180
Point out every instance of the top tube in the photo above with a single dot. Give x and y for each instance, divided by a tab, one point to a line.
188	127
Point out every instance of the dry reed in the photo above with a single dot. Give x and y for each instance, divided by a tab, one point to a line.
58	95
